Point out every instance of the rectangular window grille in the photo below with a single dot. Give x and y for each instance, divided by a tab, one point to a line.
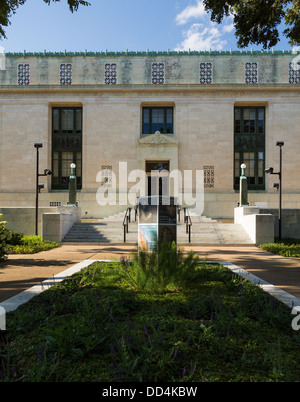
251	73
157	119
110	73
23	74
65	74
294	72
55	203
158	73
209	176
205	73
249	146
106	176
66	146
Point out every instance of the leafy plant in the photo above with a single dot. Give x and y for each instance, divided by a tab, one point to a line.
160	270
31	245
285	247
5	236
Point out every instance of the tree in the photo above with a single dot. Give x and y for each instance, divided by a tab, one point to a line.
257	21
9	7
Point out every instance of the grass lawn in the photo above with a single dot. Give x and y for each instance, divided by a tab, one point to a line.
119	322
284	247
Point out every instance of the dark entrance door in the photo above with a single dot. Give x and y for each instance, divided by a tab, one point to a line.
157	173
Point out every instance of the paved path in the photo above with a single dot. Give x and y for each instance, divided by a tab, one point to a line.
20	272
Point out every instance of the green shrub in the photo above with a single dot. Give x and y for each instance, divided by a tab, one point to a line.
285	247
16	238
159	271
5	236
31	245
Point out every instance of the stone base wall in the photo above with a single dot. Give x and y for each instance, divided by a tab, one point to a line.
290	222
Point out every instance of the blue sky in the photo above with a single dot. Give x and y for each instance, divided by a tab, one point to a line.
117	25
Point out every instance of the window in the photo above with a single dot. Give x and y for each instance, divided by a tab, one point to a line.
249	146
157	119
65	74
209	176
158	73
294	72
66	146
251	73
205	73
110	73
23	74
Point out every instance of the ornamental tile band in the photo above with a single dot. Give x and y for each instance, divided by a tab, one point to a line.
153	53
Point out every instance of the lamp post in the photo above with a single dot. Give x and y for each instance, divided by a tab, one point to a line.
72	185
278	185
243	187
38	187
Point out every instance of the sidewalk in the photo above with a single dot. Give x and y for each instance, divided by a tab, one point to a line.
20	272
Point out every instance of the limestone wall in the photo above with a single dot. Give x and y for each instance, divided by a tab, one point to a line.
136	69
112	123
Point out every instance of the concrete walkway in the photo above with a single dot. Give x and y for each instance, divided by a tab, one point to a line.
20	272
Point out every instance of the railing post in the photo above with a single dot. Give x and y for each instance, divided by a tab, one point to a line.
189	233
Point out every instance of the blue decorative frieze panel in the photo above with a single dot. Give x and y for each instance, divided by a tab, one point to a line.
65	74
209	176
251	73
206	70
158	73
294	72
23	74
110	73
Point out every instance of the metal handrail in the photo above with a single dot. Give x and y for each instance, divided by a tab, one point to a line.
135	212
126	221
188	223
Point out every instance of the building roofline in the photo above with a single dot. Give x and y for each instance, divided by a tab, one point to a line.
154	53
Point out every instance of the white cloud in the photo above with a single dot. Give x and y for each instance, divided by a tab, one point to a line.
200	37
191	12
228	28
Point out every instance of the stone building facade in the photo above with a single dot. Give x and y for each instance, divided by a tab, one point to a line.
176	111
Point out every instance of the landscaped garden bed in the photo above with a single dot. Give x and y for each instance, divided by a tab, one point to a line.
284	247
170	319
30	245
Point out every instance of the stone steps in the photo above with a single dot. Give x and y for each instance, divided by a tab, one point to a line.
201	233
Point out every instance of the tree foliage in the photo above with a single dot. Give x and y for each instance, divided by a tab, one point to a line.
257	21
9	7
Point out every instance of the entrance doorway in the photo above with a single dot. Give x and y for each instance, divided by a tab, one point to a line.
158	177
